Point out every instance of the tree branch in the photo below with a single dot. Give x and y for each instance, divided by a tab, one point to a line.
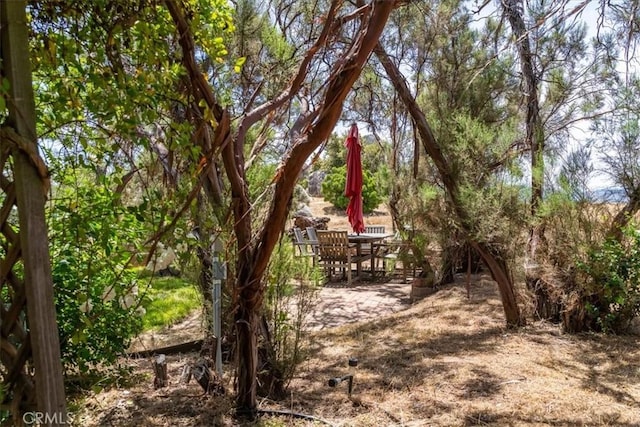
315	133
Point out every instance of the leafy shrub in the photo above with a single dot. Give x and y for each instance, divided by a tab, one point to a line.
93	240
291	282
333	190
613	277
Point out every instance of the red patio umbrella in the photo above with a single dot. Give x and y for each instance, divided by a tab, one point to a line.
353	186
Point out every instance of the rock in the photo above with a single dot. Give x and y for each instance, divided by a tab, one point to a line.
300	195
163	258
419	292
304	211
303	222
315	183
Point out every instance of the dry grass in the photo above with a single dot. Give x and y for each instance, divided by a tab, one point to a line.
339	220
446	361
449	361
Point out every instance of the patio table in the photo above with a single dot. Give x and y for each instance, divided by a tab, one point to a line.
370	239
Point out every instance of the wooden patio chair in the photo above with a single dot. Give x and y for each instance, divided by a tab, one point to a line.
313	238
335	251
304	246
379	249
399	250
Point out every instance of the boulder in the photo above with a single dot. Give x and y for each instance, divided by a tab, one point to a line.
315	183
319	223
304	211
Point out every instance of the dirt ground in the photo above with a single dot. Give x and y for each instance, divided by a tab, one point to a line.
447	360
338	219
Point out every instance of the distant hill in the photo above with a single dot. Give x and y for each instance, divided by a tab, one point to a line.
609	195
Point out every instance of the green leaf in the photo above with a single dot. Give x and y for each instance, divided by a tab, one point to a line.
239	63
208	116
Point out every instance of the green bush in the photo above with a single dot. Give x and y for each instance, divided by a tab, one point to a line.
613	277
333	190
93	239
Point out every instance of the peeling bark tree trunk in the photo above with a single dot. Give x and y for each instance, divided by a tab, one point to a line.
253	254
535	139
252	289
498	268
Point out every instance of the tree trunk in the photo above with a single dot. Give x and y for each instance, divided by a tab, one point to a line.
394	197
160	371
254	252
535	139
30	194
501	274
203	252
495	263
205	284
247	323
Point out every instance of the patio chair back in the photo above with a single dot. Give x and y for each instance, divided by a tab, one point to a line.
374	229
335	251
333	245
304	246
312	235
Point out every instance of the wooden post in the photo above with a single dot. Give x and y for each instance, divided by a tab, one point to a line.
160	370
219	274
186	374
30	193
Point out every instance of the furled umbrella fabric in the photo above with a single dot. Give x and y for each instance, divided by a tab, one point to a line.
353	186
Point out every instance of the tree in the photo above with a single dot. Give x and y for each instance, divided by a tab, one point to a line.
460	109
314	127
617	134
127	60
561	86
496	264
333	189
535	137
607	296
